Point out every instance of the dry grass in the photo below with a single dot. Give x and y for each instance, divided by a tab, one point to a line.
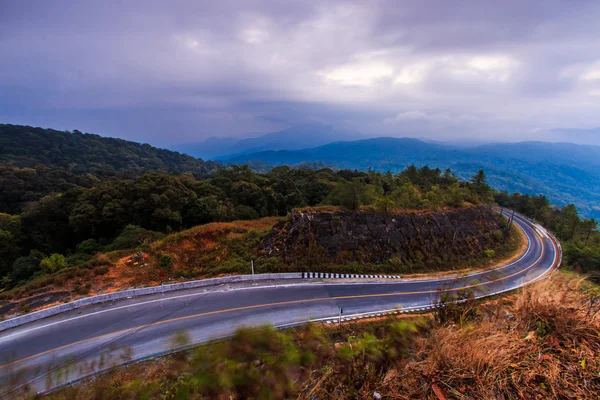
543	342
214	249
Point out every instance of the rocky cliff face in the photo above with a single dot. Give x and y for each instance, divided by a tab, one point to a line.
411	240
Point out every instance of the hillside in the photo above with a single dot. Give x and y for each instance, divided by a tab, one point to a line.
565	173
35	162
396	242
79	153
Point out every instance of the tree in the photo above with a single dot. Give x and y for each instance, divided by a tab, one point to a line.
480	186
456	195
250	195
568	222
349	195
24	267
408	196
588	226
384	204
245	212
158	200
479	179
8	251
45	225
10	227
434	198
196	212
502	199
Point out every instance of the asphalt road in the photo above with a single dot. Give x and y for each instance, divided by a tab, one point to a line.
65	347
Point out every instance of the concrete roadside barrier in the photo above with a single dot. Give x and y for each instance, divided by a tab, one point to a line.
129	293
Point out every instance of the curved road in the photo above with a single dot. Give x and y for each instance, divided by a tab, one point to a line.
108	334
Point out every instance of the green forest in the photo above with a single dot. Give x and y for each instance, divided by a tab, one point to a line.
66	195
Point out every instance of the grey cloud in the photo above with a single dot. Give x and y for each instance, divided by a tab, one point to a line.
173	71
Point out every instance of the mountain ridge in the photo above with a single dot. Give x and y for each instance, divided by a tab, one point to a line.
565	172
293	138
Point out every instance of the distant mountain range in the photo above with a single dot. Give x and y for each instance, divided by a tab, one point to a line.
295	138
580	136
564	172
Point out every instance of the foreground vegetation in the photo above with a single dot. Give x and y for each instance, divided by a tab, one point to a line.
543	342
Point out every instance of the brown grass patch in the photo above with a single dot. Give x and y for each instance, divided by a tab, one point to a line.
543	342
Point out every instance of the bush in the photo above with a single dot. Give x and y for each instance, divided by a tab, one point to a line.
53	263
102	270
232	368
82	290
165	261
100	260
133	236
87	246
24	267
489	253
77	259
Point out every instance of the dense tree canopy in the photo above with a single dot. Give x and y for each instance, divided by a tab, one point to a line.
35	162
113	213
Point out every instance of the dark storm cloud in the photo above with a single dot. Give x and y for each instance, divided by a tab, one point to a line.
165	72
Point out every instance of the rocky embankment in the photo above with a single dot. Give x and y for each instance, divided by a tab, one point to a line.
413	240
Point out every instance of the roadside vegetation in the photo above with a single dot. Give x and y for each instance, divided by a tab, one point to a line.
66	229
205	251
542	342
70	230
579	236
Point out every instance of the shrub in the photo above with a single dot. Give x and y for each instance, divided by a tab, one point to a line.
165	261
53	263
100	260
88	246
77	259
134	236
24	267
82	290
232	368
498	235
101	270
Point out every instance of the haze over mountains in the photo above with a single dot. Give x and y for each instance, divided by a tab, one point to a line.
294	138
565	172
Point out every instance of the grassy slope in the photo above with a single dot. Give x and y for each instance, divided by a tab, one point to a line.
542	342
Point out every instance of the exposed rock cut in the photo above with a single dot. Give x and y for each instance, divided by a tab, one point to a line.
419	238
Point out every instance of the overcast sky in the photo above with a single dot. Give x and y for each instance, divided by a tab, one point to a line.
166	72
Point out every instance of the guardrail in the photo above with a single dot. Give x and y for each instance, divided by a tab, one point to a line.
130	293
327	275
123	294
